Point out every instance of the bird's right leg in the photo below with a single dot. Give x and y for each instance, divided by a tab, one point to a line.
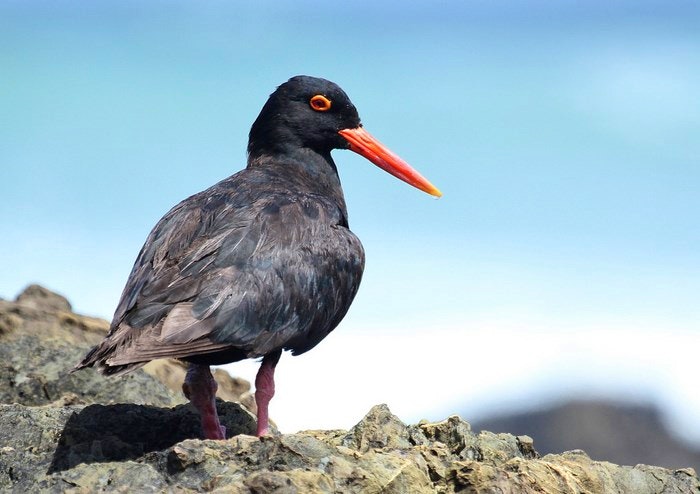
265	389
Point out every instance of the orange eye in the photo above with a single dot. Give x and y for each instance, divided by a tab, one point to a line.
320	103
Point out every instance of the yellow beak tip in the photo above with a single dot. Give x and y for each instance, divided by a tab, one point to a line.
435	192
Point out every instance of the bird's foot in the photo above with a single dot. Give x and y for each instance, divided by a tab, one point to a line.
262	431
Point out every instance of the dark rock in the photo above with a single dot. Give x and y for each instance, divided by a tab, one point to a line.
29	437
48	440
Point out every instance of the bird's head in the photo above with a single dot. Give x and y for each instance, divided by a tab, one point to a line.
316	113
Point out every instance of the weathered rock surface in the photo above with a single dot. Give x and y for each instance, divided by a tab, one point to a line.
132	448
63	434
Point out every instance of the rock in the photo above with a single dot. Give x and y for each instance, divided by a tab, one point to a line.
38	297
379	429
56	437
117	448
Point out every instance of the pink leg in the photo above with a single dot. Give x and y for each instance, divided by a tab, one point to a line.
265	389
200	388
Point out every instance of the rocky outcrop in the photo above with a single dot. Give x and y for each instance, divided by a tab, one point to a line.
132	448
81	433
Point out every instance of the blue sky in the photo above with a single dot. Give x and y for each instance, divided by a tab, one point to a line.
562	260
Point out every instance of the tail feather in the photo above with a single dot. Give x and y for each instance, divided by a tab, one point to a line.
99	355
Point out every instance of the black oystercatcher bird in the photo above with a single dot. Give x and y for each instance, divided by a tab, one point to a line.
261	262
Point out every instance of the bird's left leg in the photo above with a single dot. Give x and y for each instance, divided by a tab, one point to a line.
265	389
200	388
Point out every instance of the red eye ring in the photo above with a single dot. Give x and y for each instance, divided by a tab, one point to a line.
320	103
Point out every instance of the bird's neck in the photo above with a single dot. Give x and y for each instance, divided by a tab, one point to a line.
303	170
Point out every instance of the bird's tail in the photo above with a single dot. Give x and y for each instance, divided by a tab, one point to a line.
97	357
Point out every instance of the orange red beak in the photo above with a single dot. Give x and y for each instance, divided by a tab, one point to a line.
364	144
